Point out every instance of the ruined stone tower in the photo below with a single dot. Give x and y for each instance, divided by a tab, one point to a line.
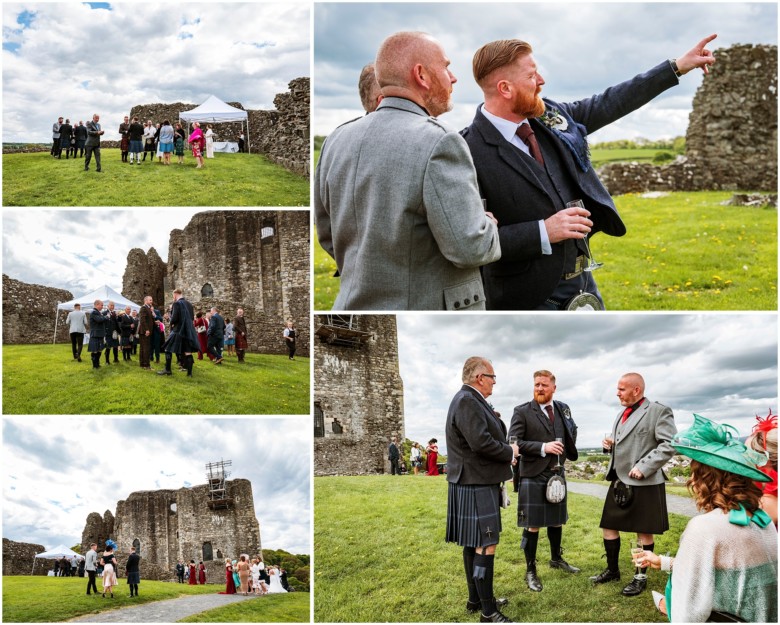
166	526
358	401
144	275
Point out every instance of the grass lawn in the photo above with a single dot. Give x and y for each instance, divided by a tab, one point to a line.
294	607
599	157
683	251
36	179
44	379
381	557
38	599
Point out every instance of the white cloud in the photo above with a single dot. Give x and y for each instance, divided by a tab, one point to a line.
620	41
56	471
72	60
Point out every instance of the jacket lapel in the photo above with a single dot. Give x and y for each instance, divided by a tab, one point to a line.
635	417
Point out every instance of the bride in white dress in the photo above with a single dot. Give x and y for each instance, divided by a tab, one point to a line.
276	581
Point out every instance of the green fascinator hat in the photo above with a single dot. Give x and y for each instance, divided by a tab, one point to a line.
717	445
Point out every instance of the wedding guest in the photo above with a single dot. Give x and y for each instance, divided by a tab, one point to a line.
197	143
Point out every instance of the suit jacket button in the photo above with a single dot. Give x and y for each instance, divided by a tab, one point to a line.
467	301
456	305
476	298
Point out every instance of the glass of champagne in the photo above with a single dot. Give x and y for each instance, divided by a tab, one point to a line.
636	551
606	450
559	440
592	264
513	440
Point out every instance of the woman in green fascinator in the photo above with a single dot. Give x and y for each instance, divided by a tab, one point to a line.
726	564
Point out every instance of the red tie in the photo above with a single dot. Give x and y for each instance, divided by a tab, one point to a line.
626	413
526	134
550	413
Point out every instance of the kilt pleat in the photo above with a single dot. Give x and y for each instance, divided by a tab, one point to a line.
473	515
533	509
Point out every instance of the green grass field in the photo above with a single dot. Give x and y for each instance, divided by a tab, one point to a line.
37	179
599	157
683	251
44	379
380	556
37	599
290	608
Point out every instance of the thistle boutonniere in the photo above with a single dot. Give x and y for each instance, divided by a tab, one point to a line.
567	413
554	120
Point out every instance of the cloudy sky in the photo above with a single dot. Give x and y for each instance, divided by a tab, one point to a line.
76	59
576	61
721	366
82	250
51	482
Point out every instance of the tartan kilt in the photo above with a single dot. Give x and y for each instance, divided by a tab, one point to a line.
533	509
241	342
111	341
473	514
96	344
646	514
134	577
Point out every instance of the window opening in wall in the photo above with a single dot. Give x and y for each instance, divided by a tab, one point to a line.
319	421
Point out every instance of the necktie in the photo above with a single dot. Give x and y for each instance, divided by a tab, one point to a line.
526	134
550	413
626	413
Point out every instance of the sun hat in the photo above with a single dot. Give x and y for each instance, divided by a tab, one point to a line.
716	445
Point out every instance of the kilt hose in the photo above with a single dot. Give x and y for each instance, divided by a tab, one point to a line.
533	509
145	349
473	514
646	514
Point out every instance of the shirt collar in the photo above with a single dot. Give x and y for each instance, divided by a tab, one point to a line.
476	389
506	128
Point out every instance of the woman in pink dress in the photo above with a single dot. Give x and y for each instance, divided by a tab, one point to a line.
197	143
433	454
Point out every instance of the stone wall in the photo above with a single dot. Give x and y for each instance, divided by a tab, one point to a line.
731	141
29	313
255	260
18	558
361	391
166	526
144	275
282	134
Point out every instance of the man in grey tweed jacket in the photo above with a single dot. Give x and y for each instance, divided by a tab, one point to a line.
395	194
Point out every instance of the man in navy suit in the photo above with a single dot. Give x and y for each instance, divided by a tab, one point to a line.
478	460
531	157
546	438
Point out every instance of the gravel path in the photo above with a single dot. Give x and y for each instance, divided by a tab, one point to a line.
674	503
168	611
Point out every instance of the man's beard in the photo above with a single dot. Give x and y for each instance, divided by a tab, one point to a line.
439	99
528	108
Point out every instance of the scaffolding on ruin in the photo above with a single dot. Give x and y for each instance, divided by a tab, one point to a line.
216	478
342	330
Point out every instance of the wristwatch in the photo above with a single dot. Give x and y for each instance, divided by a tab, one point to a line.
673	63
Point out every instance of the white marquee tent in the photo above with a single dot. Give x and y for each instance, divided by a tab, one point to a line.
56	554
87	301
215	111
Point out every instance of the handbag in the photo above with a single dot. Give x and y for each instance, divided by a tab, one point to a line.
623	494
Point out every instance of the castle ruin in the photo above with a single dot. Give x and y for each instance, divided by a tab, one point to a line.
731	140
358	397
18	558
30	311
166	526
255	260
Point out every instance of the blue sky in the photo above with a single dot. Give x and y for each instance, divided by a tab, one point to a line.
58	470
722	366
76	59
581	49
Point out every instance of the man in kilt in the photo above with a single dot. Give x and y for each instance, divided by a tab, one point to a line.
636	500
239	327
478	460
133	572
546	438
97	334
145	329
183	339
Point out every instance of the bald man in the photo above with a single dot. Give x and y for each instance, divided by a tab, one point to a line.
532	160
368	88
636	501
395	193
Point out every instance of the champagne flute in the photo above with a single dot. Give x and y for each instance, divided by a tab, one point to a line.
636	551
513	440
559	440
606	450
592	264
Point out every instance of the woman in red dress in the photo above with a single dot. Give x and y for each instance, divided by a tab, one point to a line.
201	573
201	327
230	585
193	574
433	454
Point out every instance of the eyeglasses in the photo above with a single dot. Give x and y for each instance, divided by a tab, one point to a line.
489	375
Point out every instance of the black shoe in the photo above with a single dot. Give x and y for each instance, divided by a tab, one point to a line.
560	563
496	617
533	582
476	606
635	587
164	372
79	358
606	576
